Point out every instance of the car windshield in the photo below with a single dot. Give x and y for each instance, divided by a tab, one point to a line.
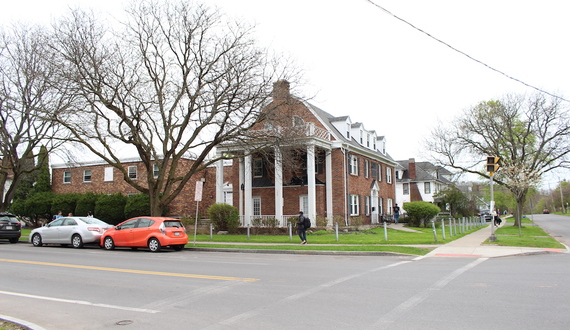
172	223
94	221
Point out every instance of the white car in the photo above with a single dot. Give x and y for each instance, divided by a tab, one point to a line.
76	231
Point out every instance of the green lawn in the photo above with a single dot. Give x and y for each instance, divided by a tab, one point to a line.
420	242
530	236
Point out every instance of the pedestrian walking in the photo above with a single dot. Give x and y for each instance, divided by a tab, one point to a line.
396	210
301	230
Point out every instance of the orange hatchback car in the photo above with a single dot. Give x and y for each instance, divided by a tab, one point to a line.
151	232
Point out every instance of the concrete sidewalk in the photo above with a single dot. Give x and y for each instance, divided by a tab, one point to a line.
471	246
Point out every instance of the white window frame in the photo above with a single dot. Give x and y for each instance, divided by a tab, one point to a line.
304	204
132	171
108	174
155	170
354	204
87	175
427	187
367	205
405	188
390	205
380	206
66	177
257	167
366	168
353	165
388	175
256	200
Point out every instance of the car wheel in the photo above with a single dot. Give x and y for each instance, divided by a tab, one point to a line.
108	243
14	240
178	247
154	245
37	240
77	241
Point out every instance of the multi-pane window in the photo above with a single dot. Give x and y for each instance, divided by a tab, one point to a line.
427	188
257	205
155	170
354	165
354	205
86	175
366	165
367	205
380	206
388	175
406	188
132	172
304	204
374	170
67	177
257	168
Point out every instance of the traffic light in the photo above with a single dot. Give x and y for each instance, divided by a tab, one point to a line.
492	164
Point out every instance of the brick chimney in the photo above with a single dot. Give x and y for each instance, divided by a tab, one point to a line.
281	90
412	169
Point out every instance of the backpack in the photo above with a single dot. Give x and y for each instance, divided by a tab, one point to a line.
307	223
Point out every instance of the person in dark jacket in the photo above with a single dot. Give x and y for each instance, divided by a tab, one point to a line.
301	230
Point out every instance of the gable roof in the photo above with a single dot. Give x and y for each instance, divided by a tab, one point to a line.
425	171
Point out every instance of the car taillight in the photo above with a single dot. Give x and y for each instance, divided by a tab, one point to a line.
97	229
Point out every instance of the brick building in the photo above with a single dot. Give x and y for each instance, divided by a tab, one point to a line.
100	177
343	170
336	169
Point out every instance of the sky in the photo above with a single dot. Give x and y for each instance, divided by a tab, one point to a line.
358	60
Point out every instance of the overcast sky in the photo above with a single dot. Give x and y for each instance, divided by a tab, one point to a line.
362	62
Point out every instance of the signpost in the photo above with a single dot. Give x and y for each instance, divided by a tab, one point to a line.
198	199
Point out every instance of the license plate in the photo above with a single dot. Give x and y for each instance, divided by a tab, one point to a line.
9	227
176	233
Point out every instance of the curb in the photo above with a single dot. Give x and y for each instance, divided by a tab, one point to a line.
22	323
302	252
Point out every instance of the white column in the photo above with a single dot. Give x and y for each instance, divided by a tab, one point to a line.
311	185
241	184
248	178
329	186
220	181
278	186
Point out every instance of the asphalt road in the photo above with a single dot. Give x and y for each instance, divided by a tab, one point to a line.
65	288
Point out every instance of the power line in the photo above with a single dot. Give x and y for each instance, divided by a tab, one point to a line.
465	54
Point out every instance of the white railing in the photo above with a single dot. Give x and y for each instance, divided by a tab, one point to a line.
265	220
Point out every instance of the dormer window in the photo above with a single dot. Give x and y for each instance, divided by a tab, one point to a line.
368	140
361	138
347	130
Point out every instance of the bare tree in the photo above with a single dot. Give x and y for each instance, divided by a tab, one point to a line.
28	102
530	134
174	82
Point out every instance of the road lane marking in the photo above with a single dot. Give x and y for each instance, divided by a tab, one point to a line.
134	271
232	321
407	305
79	302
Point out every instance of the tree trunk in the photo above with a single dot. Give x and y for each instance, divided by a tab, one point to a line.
519	211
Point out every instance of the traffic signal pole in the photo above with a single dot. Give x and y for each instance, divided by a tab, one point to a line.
492	167
492	238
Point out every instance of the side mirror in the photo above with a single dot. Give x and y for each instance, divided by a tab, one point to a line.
118	228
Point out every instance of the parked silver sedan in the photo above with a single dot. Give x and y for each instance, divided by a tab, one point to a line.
76	231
